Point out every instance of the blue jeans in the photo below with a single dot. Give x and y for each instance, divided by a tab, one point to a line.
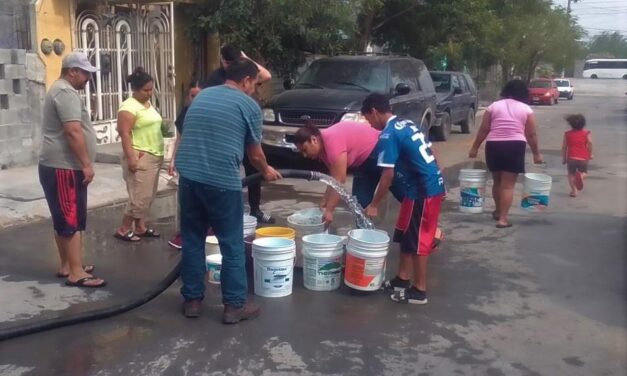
203	206
366	178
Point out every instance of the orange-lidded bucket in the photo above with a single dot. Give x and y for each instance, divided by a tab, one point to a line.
275	232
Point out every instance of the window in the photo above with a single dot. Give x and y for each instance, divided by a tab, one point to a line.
462	84
455	82
442	82
402	72
344	74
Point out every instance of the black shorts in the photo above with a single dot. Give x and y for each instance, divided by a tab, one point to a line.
576	165
417	224
67	198
507	156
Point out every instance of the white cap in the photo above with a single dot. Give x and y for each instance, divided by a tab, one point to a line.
78	60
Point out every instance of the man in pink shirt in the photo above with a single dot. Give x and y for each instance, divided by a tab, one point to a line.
344	145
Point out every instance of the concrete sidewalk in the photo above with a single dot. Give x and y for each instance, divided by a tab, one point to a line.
22	199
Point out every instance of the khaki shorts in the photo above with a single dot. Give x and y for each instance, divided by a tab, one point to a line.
142	184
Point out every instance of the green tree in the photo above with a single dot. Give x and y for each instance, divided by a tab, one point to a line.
608	45
279	32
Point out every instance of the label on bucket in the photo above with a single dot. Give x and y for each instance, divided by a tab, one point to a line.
322	273
213	271
275	279
535	202
364	273
472	197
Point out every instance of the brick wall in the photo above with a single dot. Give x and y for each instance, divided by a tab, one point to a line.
22	90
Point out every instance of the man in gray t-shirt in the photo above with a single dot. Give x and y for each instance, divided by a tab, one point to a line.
66	166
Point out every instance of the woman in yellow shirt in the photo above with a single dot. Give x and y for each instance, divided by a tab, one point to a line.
140	128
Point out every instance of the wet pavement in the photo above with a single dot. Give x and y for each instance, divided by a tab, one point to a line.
546	297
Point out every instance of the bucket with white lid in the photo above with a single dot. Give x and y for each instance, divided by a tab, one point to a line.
212	246
322	261
273	266
536	192
472	190
366	251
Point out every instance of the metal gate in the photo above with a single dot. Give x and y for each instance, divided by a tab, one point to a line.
117	39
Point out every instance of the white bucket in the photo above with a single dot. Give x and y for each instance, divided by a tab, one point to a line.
365	259
305	222
211	245
273	266
322	261
536	191
472	190
250	224
214	267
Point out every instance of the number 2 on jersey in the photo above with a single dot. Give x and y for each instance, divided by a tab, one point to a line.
424	145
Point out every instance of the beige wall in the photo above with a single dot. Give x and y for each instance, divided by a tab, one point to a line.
54	21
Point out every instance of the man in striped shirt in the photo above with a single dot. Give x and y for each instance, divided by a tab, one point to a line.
220	123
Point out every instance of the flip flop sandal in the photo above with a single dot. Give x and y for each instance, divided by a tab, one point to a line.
573	195
129	236
508	225
149	233
86	269
82	283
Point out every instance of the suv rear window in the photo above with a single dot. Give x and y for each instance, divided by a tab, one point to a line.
442	82
347	75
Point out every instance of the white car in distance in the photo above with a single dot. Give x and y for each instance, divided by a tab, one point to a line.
565	88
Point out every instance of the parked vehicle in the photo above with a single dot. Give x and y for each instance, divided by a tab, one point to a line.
605	68
333	89
457	103
543	91
565	88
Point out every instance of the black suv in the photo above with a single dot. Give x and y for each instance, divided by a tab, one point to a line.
457	103
332	89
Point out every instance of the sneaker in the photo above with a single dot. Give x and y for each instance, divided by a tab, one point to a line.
233	315
396	284
192	308
263	217
579	180
176	241
411	295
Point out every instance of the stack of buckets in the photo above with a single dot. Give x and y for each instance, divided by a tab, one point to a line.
214	258
273	253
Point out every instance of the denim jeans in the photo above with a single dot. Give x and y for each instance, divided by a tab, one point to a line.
203	206
366	178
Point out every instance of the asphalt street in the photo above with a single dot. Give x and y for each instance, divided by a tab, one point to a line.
545	297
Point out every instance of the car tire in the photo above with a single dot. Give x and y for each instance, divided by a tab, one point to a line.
557	100
571	97
468	124
594	76
550	103
443	132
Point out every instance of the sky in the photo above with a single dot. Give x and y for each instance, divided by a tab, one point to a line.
597	16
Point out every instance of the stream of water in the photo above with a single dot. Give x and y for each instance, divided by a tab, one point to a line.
351	201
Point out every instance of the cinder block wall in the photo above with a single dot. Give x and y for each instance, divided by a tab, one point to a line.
22	90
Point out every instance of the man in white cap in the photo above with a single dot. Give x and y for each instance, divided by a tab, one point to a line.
66	166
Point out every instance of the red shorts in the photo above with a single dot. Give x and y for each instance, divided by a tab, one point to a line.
417	224
67	198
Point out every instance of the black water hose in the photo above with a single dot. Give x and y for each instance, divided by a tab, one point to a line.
103	313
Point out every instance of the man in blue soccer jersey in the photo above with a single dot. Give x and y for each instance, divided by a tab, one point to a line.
404	150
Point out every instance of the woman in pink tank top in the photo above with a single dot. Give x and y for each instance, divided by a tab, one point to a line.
343	146
508	126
